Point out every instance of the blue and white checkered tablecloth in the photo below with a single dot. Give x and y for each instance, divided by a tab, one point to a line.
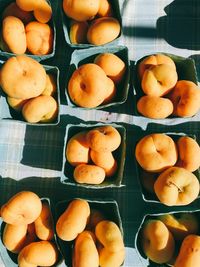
31	156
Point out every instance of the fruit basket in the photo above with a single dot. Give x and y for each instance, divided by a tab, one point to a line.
110	210
119	155
84	56
5	54
147	189
8	113
66	25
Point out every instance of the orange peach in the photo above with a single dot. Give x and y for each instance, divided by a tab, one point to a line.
105	9
81	10
14	36
111	92
113	66
39	38
186	98
155	107
78	32
103	30
51	87
16	103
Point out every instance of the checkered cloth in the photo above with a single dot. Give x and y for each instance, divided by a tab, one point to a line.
31	156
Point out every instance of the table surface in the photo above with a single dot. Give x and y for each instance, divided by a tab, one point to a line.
31	156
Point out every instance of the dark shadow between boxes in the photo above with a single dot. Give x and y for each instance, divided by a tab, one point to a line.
180	26
51	23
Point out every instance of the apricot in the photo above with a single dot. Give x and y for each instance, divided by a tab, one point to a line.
41	253
156	152
51	86
113	66
28	5
105	9
189	153
78	32
155	107
23	208
109	235
104	139
111	259
77	149
23	77
89	174
157	241
39	38
81	10
189	254
103	30
44	223
176	187
104	160
85	252
87	86
111	92
14	36
73	220
154	60
16	103
185	98
13	10
40	109
159	80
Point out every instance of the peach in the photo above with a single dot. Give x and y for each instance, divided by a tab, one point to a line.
85	252
157	241
111	259
87	86
156	152
16	103
23	77
39	38
44	223
185	98
189	153
51	86
78	32
104	160
41	253
189	254
176	187
77	149
41	9
81	10
89	174
180	224
40	109
103	30
104	139
111	92
73	220
155	107
23	208
113	66
159	80
14	36
105	9
13	10
154	60
109	235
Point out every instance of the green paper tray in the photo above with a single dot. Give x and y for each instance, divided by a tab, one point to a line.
185	67
66	25
7	113
150	197
10	259
119	154
107	207
53	4
138	247
80	57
